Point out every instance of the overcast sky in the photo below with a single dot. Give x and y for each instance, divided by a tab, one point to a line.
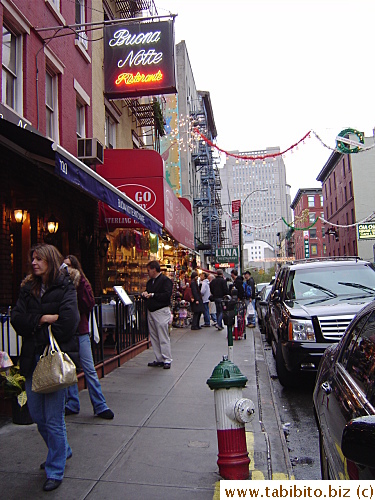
277	68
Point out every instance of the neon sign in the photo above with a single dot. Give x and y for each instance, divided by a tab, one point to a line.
139	59
130	79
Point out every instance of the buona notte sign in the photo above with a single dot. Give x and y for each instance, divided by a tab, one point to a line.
139	59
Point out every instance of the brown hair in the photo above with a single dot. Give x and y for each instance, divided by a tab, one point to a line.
76	265
154	264
54	259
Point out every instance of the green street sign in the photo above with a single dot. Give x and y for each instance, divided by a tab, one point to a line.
229	255
366	231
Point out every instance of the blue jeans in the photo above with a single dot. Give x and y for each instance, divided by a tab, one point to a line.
206	313
219	312
47	411
92	380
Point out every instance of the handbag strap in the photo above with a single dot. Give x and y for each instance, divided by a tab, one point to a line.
53	342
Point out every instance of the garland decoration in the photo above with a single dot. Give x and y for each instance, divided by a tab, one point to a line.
248	157
299	228
343	143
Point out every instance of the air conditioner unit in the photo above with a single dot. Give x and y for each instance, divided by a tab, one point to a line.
90	151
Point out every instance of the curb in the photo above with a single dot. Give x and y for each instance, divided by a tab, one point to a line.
284	445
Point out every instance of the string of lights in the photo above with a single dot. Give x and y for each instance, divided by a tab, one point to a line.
369	218
188	133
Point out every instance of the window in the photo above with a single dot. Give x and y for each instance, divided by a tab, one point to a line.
310	201
312	233
323	232
110	132
360	360
12	70
52	114
81	19
312	217
345	194
314	249
321	199
324	248
81	119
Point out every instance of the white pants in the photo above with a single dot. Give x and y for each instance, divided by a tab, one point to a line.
158	322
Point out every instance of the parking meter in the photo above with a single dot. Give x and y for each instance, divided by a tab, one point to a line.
229	315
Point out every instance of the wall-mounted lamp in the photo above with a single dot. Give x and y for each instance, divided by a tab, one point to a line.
103	246
20	215
52	224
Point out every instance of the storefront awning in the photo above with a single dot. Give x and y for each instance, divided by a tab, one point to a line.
141	175
72	170
28	142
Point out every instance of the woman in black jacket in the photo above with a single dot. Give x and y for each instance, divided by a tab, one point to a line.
47	297
196	304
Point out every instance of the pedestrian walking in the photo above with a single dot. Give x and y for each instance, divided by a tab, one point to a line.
86	302
197	303
212	306
47	297
238	284
219	289
206	292
249	288
158	297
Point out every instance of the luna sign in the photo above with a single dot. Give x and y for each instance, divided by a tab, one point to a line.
139	59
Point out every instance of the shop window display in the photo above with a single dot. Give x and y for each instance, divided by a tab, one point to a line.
129	252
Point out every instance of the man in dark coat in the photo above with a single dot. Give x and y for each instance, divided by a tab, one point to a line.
158	297
219	289
197	302
238	283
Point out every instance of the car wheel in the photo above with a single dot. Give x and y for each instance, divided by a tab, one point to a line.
268	334
286	378
324	469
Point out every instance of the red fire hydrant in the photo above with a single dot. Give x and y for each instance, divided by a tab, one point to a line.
232	412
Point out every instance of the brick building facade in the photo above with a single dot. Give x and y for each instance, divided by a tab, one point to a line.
308	206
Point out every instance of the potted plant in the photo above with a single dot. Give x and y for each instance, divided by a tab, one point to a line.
14	387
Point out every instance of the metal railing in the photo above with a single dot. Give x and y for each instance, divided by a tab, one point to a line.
119	328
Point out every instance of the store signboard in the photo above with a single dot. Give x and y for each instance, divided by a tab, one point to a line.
227	255
139	59
235	232
366	231
236	205
306	244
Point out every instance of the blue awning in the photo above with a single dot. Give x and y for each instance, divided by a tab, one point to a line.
72	170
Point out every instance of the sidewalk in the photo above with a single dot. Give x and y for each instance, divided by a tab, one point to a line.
162	442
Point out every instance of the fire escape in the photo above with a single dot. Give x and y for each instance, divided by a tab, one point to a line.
208	201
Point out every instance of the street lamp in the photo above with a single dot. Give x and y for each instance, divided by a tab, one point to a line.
240	224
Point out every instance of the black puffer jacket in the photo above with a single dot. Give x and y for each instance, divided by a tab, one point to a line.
218	287
60	298
238	283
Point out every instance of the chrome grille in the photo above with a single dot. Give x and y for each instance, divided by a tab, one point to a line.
333	327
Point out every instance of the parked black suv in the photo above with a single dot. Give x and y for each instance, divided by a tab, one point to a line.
312	303
344	402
